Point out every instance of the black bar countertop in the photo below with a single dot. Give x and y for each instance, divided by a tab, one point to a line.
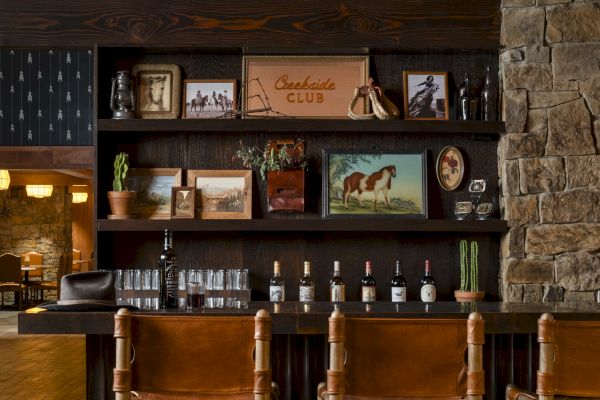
311	318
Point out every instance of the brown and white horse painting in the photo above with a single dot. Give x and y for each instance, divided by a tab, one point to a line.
380	181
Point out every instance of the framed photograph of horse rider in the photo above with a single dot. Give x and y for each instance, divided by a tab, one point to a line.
425	95
158	90
374	184
209	98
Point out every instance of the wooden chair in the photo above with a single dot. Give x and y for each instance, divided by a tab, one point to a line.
65	264
76	265
37	275
404	358
10	277
569	352
193	357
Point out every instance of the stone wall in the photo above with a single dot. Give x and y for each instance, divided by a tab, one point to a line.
549	159
41	225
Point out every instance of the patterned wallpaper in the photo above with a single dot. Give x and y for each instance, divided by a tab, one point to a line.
46	97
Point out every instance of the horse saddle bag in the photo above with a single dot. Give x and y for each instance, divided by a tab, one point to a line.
285	189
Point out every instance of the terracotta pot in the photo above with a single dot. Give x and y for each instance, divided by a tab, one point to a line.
468	296
121	204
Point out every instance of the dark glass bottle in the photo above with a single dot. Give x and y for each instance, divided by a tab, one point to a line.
169	276
398	286
428	290
368	284
488	98
337	289
307	286
276	285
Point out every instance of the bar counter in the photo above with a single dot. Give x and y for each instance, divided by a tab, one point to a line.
299	344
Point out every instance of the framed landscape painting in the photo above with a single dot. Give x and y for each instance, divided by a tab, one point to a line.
368	184
154	191
222	194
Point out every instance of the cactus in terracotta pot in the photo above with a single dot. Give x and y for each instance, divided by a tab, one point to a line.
120	199
121	165
469	273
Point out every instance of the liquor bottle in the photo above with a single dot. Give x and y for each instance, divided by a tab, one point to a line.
488	98
307	286
428	284
337	289
368	284
169	276
398	285
276	285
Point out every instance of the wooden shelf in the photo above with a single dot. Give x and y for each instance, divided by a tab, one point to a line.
304	225
299	125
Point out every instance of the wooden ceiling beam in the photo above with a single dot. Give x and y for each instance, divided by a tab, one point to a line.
46	157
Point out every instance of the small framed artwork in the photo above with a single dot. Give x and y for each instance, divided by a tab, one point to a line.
183	201
303	86
158	90
209	98
425	95
154	191
450	168
369	184
222	194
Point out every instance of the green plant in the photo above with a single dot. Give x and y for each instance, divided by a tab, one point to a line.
469	268
121	165
269	159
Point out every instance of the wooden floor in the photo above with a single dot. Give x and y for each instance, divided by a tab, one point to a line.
48	367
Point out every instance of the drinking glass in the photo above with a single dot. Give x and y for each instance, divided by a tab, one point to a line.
195	296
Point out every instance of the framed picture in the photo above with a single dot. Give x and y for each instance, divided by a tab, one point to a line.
158	90
209	98
369	184
425	95
222	194
450	168
183	201
154	190
302	86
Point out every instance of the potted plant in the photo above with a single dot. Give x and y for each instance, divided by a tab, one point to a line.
469	273
121	200
282	163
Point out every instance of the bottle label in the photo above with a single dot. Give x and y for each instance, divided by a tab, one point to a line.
277	293
428	293
338	292
368	293
398	294
307	293
172	284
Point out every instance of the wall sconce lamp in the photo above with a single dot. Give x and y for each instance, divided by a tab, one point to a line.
39	191
4	179
79	197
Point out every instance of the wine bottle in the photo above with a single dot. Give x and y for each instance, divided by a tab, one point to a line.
169	276
398	285
488	98
276	285
428	284
337	289
368	284
307	286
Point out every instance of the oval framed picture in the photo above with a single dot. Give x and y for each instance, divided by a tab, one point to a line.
450	168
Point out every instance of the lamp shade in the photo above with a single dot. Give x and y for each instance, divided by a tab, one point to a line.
80	197
4	179
39	191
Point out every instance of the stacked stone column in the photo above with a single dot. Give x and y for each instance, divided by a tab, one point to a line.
549	159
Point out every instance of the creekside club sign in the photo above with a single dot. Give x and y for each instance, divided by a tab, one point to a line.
302	86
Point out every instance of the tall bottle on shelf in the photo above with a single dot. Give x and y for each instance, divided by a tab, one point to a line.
307	286
337	289
398	286
169	275
276	285
368	284
489	98
428	290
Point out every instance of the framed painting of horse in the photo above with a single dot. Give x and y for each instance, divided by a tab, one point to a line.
209	98
158	94
374	184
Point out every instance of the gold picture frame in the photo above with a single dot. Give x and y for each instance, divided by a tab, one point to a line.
200	103
154	191
158	90
450	168
302	86
222	194
425	95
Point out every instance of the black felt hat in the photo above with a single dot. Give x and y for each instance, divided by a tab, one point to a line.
87	291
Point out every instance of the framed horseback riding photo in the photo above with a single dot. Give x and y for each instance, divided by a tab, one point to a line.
209	98
158	90
425	95
385	184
